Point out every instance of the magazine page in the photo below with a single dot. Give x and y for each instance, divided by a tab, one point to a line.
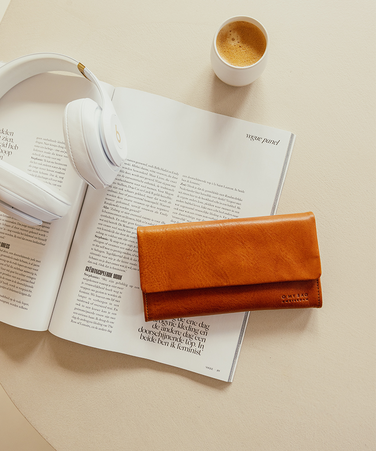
184	164
31	138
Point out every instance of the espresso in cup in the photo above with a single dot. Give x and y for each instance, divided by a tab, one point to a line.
239	50
241	43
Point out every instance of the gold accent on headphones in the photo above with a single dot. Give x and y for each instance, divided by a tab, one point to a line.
81	68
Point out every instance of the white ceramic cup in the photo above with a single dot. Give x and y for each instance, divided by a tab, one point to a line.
238	75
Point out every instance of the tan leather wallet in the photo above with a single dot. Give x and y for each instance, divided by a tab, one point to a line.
232	265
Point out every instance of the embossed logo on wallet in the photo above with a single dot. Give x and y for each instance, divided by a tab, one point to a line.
297	297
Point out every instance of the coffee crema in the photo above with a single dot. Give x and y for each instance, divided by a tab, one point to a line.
241	43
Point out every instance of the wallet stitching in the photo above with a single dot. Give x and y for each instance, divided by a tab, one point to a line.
146	306
318	293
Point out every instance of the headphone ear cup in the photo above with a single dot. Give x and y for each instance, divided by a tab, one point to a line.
29	197
81	119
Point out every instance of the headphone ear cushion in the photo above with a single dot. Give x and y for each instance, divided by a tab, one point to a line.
27	194
81	119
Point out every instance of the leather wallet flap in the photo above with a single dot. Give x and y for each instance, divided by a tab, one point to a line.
227	253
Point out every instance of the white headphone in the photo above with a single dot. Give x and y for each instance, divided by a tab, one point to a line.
94	139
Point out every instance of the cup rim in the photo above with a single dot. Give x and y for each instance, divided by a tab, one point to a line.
246	19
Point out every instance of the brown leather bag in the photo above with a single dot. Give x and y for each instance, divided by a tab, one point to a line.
233	265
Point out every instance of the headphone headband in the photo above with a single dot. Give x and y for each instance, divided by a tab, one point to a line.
27	66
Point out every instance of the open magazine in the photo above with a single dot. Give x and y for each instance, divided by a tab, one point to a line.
78	277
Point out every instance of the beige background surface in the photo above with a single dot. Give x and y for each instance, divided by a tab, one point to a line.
16	433
305	379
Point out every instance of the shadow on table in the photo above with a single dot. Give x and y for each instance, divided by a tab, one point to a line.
21	345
